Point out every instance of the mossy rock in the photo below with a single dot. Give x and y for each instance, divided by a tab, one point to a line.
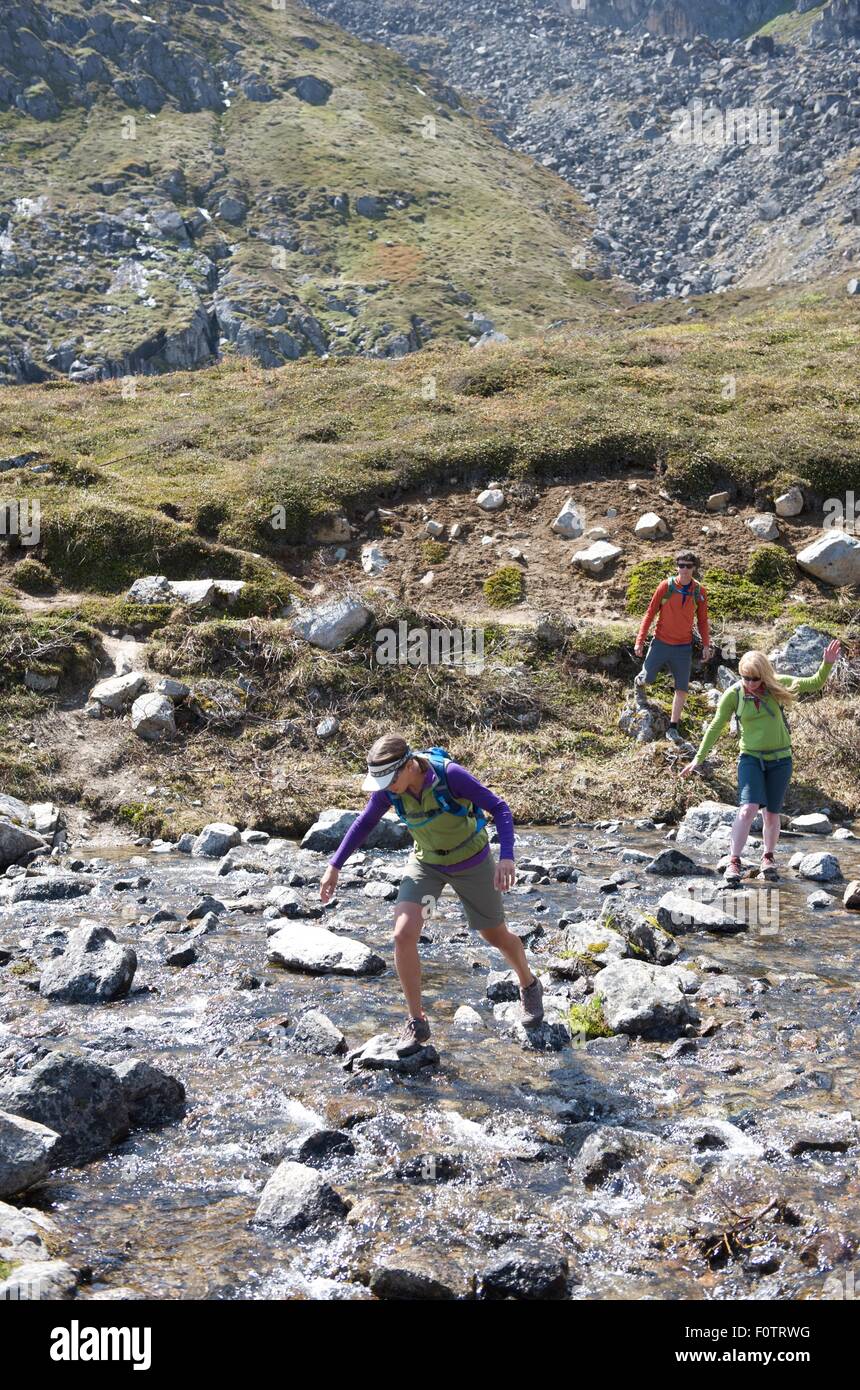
33	577
588	1020
505	588
771	566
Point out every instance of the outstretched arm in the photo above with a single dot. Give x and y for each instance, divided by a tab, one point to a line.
725	710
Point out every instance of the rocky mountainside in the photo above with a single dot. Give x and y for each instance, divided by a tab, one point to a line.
176	177
708	161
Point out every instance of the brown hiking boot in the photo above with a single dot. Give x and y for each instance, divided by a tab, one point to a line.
532	1001
413	1035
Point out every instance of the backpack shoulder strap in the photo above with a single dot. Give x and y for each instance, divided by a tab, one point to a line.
670	589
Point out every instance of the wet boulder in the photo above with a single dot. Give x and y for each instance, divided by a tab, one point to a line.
813	824
16	841
295	1197
851	896
525	1273
26	1151
315	951
607	1149
93	969
153	1097
550	1035
421	1274
316	1035
644	1000
50	888
671	863
82	1100
379	1053
37	1280
327	832
214	840
645	937
681	912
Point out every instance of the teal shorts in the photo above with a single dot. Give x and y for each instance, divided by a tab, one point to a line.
481	899
763	783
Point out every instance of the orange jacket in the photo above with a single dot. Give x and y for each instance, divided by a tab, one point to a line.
675	623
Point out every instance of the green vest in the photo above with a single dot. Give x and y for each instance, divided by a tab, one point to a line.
440	837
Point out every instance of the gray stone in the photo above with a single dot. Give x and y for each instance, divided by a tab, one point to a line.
326	833
570	522
332	624
379	1053
834	558
644	1000
215	840
152	718
316	1035
295	1197
671	863
81	1100
93	969
491	499
118	691
382	891
39	1280
820	867
315	951
801	655
525	1274
680	912
16	842
851	896
50	888
153	1097
650	526
596	557
813	824
763	525
26	1151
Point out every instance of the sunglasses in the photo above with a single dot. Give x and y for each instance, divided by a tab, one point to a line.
682	565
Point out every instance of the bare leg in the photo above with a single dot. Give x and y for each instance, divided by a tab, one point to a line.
408	923
741	827
512	949
678	701
770	834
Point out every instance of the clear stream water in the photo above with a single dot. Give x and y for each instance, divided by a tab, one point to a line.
168	1213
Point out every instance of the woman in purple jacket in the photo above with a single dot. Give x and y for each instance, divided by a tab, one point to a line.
443	806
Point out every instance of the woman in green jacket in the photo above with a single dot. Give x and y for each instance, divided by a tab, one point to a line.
764	767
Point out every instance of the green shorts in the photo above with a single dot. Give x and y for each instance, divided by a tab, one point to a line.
482	901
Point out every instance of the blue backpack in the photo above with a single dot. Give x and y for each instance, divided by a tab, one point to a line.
438	758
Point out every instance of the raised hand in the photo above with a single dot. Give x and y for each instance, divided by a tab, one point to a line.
833	651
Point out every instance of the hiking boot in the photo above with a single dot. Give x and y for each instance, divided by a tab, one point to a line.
734	870
413	1035
768	868
640	699
532	1002
673	735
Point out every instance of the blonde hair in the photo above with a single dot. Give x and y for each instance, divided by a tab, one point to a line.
755	665
391	746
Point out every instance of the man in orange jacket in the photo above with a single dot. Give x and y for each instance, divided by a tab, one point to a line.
676	603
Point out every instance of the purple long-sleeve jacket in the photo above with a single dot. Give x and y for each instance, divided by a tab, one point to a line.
461	784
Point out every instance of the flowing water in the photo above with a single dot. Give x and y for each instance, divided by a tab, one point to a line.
493	1132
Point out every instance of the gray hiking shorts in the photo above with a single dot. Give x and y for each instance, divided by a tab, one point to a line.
481	899
678	659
